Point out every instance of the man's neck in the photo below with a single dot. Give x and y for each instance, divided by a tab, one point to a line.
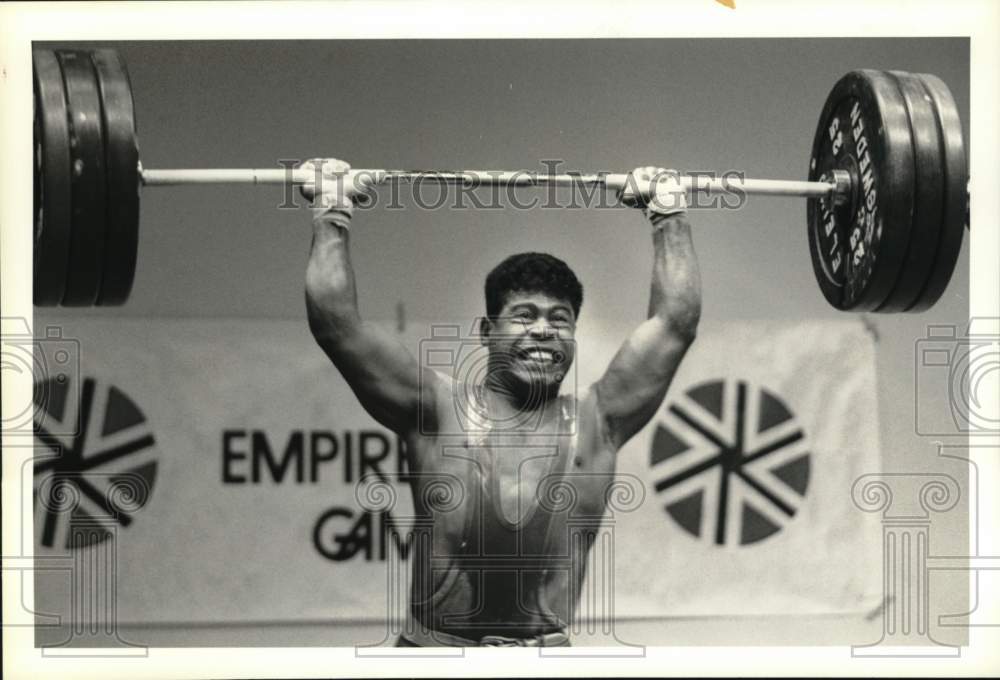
508	409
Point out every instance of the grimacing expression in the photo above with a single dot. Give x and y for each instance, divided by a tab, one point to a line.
531	340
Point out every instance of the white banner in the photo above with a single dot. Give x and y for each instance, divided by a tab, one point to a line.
228	453
748	468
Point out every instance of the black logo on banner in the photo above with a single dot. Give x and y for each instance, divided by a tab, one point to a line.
100	475
731	462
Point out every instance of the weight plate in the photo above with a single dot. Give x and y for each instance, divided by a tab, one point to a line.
36	167
955	175
89	211
53	194
928	195
121	157
858	246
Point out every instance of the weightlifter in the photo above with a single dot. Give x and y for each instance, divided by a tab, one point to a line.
504	564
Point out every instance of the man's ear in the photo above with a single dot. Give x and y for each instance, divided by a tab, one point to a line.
485	326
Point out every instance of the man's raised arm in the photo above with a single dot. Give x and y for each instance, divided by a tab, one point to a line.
637	379
383	374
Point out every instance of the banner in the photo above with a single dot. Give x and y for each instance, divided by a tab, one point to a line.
227	455
748	467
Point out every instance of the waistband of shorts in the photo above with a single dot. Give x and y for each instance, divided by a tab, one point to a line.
422	636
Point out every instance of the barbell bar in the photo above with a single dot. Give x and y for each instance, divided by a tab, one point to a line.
609	181
887	186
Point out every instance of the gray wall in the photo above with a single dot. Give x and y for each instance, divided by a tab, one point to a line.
749	105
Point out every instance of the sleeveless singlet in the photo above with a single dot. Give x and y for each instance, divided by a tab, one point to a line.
510	575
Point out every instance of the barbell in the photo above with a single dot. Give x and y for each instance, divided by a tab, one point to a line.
887	186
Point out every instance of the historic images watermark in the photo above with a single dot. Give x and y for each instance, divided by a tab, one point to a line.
52	361
80	510
906	501
551	187
956	383
586	549
964	364
576	510
466	363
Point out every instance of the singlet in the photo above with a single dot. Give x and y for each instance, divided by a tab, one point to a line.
510	575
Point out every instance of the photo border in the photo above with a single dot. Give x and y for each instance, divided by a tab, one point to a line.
387	19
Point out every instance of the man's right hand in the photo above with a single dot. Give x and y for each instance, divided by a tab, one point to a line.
335	187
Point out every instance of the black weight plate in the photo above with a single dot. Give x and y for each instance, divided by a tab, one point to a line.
53	225
121	156
955	177
928	196
36	167
89	183
858	247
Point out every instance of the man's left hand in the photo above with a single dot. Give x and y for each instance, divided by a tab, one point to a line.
658	190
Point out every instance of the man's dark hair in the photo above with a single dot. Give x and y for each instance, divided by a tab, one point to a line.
532	273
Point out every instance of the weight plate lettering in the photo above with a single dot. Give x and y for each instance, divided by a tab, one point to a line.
858	247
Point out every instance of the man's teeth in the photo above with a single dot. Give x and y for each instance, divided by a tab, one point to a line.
540	355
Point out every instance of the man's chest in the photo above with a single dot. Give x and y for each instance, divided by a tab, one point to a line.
513	478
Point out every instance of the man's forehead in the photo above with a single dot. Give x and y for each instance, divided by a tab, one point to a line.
538	299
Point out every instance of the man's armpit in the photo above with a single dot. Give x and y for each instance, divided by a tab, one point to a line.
438	395
593	428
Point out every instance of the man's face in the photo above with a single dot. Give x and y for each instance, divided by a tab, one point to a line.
531	340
